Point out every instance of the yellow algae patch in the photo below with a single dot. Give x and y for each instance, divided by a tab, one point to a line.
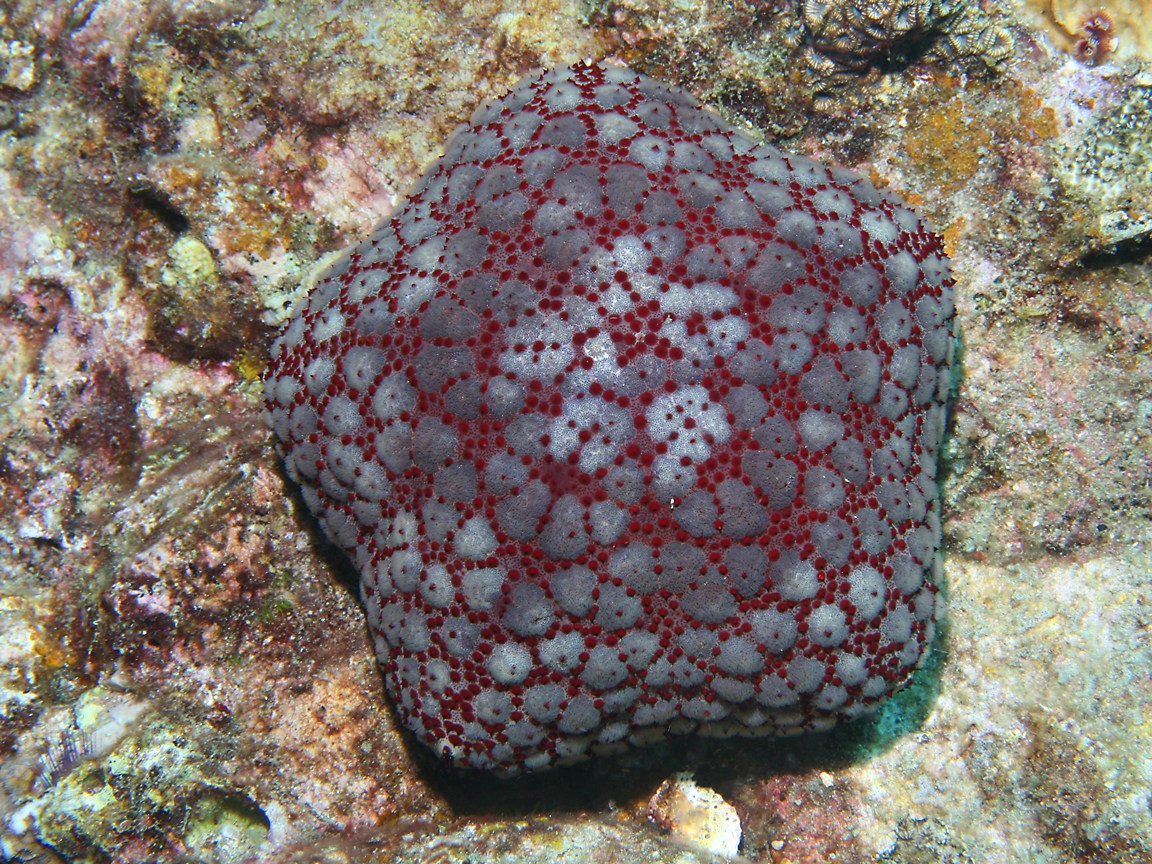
248	365
158	83
951	137
1037	121
948	140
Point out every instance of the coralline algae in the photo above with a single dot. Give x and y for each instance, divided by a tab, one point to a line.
631	427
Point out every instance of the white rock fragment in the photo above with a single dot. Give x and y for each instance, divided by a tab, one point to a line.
190	265
696	816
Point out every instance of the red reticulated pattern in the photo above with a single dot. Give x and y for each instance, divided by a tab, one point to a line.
630	425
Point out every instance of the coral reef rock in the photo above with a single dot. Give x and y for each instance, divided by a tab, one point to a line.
843	39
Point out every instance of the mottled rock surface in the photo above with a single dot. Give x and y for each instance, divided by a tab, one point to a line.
184	669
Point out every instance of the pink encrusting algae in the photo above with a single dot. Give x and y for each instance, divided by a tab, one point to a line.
630	425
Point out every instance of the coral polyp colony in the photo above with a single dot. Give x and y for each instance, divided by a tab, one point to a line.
843	39
630	425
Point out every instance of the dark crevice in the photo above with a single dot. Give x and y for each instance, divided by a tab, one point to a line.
1131	251
160	206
